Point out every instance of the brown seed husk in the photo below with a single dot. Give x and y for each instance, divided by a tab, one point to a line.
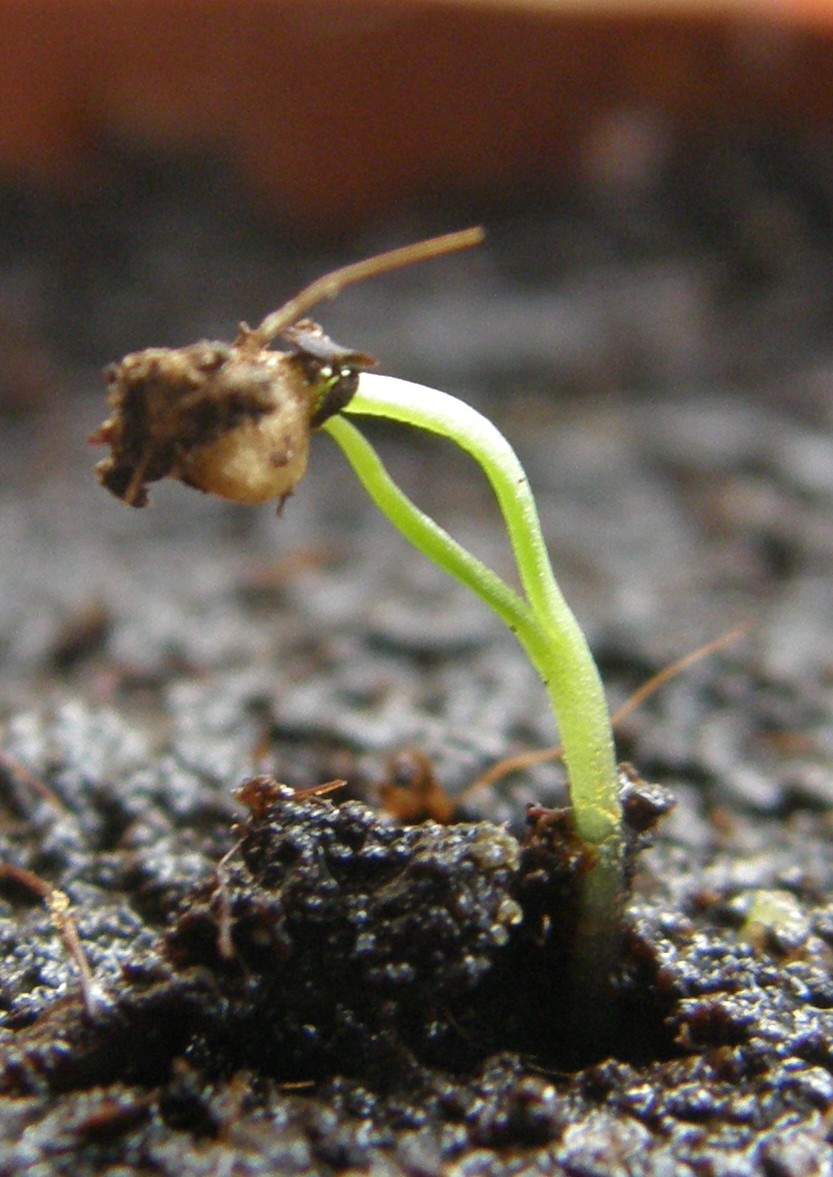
227	419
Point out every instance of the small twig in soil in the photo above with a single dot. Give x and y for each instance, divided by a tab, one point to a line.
18	775
58	904
225	920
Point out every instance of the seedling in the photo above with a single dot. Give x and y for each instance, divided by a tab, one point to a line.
235	420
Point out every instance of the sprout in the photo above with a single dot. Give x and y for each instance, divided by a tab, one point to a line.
235	421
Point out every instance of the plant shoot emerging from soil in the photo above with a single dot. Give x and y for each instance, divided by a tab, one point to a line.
235	420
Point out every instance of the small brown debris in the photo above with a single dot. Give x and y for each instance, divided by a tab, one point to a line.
221	418
411	792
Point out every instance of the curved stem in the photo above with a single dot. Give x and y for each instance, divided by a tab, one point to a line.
546	627
434	541
568	669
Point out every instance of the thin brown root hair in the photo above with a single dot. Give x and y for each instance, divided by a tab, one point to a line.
333	283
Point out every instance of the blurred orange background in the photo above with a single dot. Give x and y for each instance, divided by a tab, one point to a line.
335	110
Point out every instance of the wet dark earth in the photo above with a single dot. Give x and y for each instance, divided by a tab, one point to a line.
287	980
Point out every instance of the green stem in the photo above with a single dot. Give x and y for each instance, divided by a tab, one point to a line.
434	541
548	631
566	665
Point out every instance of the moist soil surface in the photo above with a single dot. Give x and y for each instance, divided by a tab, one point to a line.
282	978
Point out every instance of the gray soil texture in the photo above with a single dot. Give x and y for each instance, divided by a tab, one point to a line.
371	980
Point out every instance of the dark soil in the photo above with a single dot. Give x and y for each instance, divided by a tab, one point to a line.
288	981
